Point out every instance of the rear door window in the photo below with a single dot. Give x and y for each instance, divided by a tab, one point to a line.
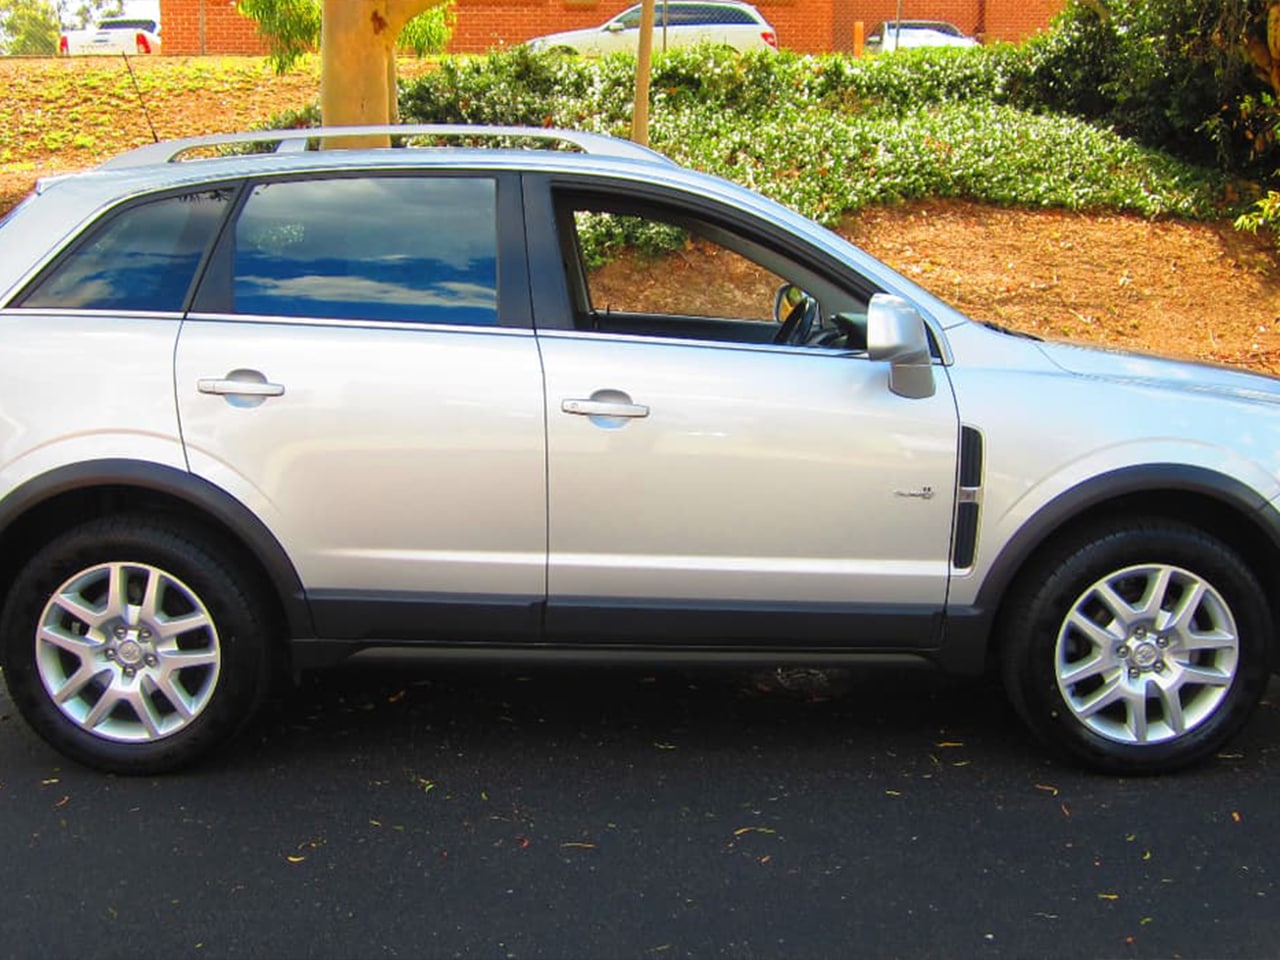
389	248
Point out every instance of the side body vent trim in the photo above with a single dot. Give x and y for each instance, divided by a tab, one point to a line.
968	498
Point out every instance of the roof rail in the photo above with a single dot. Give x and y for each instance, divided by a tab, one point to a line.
292	141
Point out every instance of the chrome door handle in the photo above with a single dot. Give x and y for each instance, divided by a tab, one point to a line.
240	388
604	408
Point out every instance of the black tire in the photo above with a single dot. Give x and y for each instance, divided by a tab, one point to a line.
178	673
1181	685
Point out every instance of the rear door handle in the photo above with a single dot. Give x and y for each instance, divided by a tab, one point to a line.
604	408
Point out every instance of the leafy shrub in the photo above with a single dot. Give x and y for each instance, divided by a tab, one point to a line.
1173	74
1265	213
828	135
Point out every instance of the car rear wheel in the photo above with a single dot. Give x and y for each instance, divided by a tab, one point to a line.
133	647
1140	649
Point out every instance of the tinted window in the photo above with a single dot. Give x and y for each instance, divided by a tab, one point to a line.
708	13
148	25
381	248
636	270
143	258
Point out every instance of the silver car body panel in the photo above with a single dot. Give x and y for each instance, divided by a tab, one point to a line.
111	395
398	458
781	473
1048	429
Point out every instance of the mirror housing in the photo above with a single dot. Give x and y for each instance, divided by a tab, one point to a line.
896	333
613	26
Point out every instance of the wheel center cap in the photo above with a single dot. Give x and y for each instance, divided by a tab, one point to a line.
1145	655
129	652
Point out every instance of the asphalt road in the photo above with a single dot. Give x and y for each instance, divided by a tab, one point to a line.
488	813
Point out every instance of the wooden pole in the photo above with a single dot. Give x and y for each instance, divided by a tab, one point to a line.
644	61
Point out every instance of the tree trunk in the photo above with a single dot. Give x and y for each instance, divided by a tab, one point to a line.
358	64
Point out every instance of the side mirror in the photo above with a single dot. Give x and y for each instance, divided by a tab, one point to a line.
614	26
788	297
896	333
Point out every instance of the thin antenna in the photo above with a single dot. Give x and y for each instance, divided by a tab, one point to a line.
142	102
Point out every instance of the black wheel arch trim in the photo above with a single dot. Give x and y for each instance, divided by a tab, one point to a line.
1147	478
214	503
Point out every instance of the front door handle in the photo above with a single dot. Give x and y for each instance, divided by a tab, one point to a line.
604	408
240	388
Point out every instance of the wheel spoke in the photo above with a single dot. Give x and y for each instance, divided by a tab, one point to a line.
117	591
1136	715
107	703
75	645
1100	699
1206	676
1116	604
1073	673
1171	706
74	685
1156	590
73	605
174	661
1097	635
150	606
167	684
176	626
1181	616
1208	640
145	710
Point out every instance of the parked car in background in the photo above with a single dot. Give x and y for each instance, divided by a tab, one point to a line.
112	36
904	34
290	410
676	24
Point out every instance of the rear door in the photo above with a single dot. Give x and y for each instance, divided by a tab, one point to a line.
359	371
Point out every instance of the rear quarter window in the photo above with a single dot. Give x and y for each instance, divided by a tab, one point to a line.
141	258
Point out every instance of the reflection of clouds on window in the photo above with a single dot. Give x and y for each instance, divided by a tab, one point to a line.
444	219
143	259
322	289
381	248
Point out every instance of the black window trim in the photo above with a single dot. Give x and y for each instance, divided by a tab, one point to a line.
213	295
552	303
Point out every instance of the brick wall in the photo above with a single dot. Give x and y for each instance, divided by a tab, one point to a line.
809	26
207	26
1019	20
990	19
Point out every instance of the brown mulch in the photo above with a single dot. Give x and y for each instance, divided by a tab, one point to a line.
1200	290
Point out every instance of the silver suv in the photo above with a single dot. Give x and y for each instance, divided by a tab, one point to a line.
287	410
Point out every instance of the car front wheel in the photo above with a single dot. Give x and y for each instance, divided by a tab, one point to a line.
1140	649
133	647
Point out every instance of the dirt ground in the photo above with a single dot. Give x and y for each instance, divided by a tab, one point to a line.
1197	290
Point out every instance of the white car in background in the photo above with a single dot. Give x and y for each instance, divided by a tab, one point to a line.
906	34
117	35
731	24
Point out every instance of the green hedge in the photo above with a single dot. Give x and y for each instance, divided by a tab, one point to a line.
829	135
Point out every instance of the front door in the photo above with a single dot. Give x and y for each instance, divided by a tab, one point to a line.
707	483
